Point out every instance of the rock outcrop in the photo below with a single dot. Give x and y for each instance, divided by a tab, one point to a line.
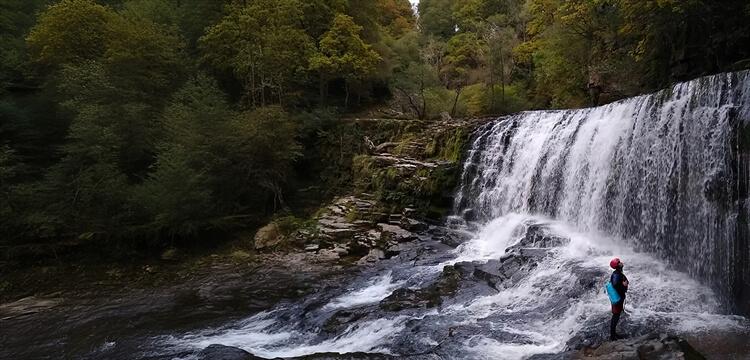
268	236
646	347
221	352
402	185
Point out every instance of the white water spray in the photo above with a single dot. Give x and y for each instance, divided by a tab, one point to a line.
648	175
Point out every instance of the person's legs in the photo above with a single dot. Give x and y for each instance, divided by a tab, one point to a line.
616	312
613	326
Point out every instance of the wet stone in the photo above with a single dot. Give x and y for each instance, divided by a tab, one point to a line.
221	352
338	322
341	250
347	356
445	285
469	215
412	224
538	236
650	346
268	236
397	233
338	233
373	256
335	223
407	298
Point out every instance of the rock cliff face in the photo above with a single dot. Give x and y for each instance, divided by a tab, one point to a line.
420	173
402	182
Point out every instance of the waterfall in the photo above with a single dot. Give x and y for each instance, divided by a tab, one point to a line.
659	180
667	173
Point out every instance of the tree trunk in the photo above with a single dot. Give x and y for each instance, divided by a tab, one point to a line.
424	101
502	86
346	99
492	81
411	102
455	101
323	88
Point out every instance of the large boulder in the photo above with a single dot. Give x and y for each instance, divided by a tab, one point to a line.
396	233
646	347
268	236
346	356
222	352
404	298
340	320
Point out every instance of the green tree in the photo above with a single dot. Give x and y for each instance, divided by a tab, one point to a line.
16	18
467	14
263	44
86	192
436	18
498	56
8	169
177	196
145	56
397	16
406	50
461	62
318	14
412	83
343	54
578	52
184	192
263	150
70	31
678	40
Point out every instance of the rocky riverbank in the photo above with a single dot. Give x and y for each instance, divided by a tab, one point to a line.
400	184
117	323
647	347
403	184
386	226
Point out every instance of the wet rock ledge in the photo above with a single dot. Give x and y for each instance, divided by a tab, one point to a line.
646	347
402	186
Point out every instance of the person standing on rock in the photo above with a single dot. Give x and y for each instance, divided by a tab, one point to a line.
620	283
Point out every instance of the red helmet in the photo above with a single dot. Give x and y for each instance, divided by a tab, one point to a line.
614	263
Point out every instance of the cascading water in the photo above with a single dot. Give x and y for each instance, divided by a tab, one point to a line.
558	194
661	171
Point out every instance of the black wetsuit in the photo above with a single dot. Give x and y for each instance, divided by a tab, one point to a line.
617	279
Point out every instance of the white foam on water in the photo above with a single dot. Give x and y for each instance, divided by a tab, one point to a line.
490	349
378	289
365	337
526	312
251	333
656	292
491	241
651	169
637	169
257	337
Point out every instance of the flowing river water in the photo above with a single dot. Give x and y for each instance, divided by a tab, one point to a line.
657	180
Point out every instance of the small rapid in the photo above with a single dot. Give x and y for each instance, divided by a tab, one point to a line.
659	181
542	311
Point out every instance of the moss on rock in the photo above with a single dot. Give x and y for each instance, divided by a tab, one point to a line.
396	184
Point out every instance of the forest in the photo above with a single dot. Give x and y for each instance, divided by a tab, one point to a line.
142	124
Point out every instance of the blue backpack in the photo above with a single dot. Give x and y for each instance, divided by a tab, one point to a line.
614	297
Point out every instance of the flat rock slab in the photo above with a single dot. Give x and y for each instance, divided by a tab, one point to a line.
336	223
26	306
397	233
646	347
221	352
